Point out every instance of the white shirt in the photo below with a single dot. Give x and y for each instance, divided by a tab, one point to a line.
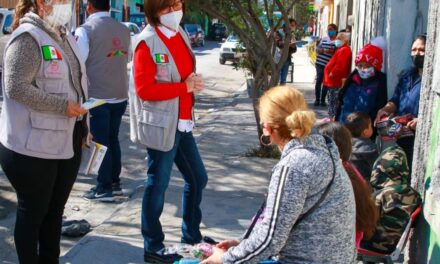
84	46
167	32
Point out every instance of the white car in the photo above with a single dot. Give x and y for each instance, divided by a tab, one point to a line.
134	30
231	50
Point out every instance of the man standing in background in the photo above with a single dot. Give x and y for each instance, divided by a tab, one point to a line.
325	50
105	45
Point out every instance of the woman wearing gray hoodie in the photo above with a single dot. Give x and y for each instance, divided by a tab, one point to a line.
42	125
310	210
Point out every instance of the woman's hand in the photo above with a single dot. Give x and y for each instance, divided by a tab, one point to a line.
215	258
412	124
194	83
74	109
86	141
226	244
380	114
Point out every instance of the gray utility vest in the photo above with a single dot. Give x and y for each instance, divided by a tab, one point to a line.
37	134
154	123
109	43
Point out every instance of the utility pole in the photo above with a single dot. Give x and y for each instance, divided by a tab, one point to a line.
126	18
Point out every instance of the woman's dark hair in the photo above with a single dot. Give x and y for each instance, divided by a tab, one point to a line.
24	6
153	7
367	213
101	5
333	26
422	38
357	122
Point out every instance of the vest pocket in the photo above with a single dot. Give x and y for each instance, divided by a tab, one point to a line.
49	133
54	87
154	126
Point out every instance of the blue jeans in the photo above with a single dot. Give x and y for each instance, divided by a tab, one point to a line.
105	121
187	158
285	71
320	90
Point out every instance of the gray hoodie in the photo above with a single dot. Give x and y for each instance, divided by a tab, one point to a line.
298	181
364	155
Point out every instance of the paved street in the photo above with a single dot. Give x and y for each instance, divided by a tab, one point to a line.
225	131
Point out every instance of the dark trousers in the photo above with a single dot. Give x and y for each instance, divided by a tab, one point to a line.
43	187
187	158
285	71
105	121
320	90
407	144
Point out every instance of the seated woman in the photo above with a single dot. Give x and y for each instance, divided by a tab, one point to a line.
310	209
395	198
367	213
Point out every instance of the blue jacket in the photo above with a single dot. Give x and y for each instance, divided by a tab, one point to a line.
407	93
359	95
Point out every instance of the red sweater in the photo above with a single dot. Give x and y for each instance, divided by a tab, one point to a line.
145	74
339	66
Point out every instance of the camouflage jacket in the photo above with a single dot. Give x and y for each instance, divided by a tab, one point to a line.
395	198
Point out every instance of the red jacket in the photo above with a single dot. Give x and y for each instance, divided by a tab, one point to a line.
339	66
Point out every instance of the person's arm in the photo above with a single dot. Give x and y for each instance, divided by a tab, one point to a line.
83	42
285	201
147	88
23	61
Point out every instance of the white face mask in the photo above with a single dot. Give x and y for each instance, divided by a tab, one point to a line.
172	20
61	15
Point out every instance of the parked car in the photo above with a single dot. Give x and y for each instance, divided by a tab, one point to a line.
218	31
231	50
138	19
6	18
195	33
134	32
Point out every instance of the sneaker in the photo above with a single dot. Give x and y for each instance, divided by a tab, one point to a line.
160	257
323	104
316	103
94	195
116	189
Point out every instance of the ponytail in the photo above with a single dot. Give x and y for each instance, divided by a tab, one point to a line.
22	7
300	123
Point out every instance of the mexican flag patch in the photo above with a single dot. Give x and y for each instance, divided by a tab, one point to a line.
50	53
162	58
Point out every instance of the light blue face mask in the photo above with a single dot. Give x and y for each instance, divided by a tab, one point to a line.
338	43
366	72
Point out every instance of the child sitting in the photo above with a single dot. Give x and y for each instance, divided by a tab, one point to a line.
395	198
367	213
364	149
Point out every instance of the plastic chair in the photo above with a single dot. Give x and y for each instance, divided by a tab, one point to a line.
367	256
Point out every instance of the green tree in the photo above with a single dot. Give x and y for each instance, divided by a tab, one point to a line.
256	23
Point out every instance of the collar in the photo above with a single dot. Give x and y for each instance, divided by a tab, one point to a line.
167	32
98	15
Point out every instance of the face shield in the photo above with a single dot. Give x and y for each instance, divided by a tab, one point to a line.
59	12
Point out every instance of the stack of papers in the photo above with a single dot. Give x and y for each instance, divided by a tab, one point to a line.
92	157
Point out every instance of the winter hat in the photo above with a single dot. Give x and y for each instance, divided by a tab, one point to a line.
370	54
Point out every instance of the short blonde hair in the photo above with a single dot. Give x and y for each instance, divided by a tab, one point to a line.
284	109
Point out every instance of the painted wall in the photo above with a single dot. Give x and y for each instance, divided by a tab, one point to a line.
399	21
118	7
425	241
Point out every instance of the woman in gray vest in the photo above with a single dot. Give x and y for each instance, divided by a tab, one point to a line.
42	125
162	119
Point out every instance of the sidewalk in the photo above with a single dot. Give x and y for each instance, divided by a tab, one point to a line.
236	188
225	130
